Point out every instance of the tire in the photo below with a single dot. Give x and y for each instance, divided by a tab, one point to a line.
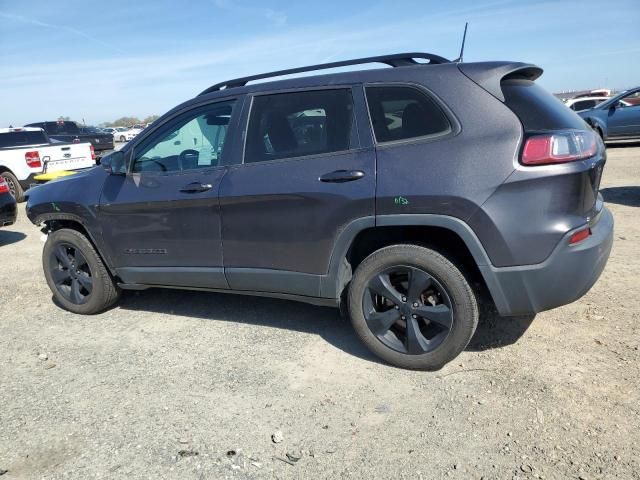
413	341
14	186
67	250
122	139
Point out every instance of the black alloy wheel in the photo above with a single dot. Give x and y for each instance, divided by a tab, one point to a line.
71	273
408	310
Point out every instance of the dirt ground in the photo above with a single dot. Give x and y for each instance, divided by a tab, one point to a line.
185	385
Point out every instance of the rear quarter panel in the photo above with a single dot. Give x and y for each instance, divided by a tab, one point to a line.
452	175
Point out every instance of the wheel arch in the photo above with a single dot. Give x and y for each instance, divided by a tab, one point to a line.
57	221
596	123
445	234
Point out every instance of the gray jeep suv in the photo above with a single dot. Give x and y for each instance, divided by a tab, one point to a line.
400	194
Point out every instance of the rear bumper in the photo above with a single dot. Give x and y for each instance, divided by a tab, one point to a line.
568	273
8	210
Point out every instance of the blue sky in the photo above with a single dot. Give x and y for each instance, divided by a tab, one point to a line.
103	60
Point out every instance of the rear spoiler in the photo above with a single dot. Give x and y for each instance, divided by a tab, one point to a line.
489	75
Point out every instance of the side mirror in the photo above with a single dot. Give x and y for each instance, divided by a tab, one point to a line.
115	163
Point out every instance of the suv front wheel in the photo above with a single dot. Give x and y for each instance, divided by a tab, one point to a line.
412	307
76	274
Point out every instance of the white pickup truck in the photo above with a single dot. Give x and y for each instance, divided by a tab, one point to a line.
26	152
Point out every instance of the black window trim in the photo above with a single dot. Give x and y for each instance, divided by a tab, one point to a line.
354	138
166	124
454	124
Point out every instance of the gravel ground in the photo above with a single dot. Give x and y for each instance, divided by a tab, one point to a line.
189	385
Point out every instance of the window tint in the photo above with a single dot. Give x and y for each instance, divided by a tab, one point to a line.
583	105
18	139
536	108
632	100
61	128
195	142
302	123
398	113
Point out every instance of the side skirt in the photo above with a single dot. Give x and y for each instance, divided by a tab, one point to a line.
324	302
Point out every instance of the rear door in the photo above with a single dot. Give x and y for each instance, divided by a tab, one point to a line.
306	175
162	220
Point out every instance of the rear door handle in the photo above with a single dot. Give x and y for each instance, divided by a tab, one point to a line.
342	176
196	187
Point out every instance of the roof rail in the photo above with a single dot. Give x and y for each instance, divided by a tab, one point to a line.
396	60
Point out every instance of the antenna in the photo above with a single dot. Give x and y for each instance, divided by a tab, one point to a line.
464	37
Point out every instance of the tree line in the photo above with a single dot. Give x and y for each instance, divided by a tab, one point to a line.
120	122
127	121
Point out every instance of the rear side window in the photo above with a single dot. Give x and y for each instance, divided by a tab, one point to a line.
400	113
297	124
22	139
537	109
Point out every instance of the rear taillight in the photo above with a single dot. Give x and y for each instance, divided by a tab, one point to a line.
559	147
4	188
33	159
93	152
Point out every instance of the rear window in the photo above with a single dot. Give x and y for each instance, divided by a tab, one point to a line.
537	109
62	128
21	139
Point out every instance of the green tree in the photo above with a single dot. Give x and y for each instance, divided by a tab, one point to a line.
151	118
124	122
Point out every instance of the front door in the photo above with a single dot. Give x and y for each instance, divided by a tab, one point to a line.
161	220
624	119
304	178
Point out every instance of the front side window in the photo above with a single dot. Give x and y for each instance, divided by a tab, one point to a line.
193	143
400	113
297	124
631	100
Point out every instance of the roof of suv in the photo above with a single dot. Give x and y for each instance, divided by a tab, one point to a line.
487	74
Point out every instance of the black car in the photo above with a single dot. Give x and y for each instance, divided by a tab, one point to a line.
8	205
387	192
66	131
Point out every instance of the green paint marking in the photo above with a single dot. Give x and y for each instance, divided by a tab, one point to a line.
400	201
55	207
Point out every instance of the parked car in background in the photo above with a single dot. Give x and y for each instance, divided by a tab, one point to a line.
617	118
383	191
584	103
8	207
125	134
27	152
70	132
87	129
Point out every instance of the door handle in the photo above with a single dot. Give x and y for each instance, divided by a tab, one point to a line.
196	187
342	176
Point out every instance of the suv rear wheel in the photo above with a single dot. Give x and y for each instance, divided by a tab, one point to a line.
75	273
412	307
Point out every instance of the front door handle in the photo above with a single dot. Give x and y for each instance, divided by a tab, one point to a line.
342	176
196	187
